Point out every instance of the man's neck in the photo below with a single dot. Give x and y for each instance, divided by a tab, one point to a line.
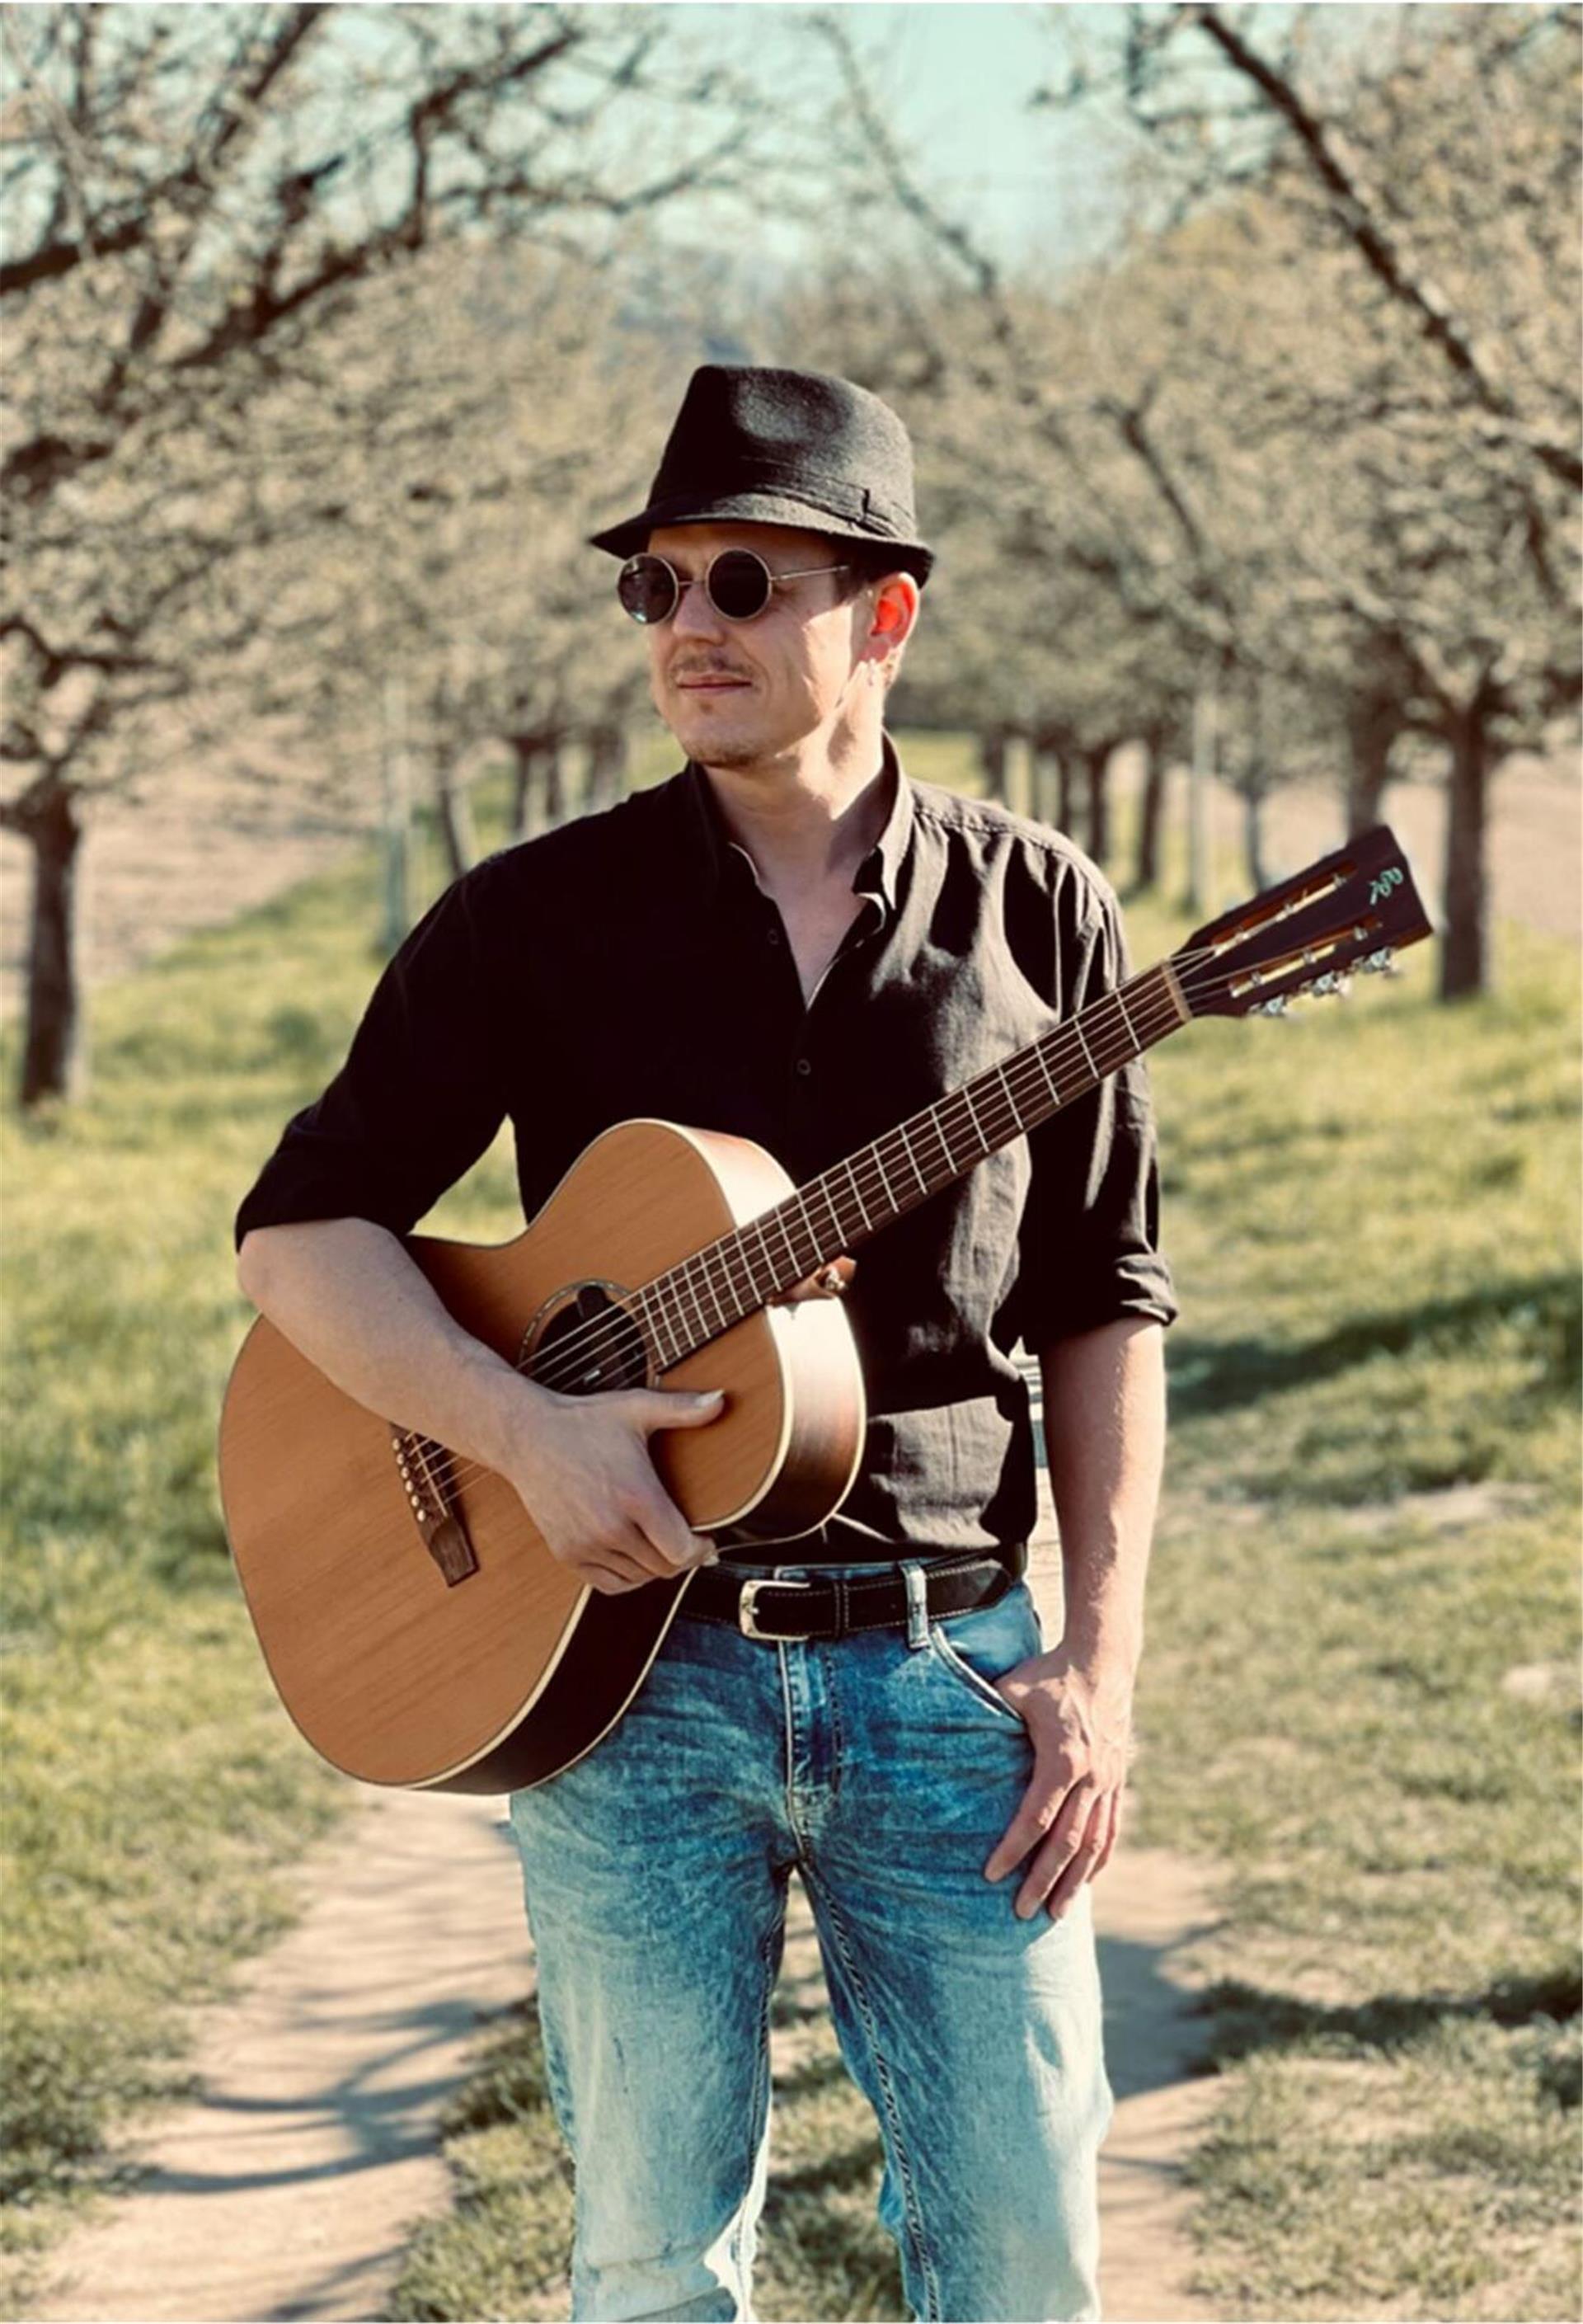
807	824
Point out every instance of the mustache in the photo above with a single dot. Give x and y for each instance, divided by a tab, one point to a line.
682	671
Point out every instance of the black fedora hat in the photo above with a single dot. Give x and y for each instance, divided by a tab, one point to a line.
795	447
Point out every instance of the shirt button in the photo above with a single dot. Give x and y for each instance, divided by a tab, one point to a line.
804	1066
772	936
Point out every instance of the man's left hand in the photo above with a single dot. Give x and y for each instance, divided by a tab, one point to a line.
1079	1717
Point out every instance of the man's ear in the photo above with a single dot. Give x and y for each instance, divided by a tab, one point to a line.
896	609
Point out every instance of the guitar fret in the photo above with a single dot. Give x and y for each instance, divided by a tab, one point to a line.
726	1252
654	1313
807	1228
767	1285
858	1195
675	1323
884	1181
778	1215
967	1098
931	1120
744	1290
911	1158
1011	1102
1045	1069
1131	1033
688	1286
1083	1044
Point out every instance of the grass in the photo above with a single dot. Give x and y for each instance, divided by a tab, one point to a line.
1358	1695
1360	1691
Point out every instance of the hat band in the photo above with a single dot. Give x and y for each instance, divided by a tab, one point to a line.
854	504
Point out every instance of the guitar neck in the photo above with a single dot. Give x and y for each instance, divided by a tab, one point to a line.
693	1302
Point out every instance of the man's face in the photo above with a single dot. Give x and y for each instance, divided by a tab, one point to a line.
735	694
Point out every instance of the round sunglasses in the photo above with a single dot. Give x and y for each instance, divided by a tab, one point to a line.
737	581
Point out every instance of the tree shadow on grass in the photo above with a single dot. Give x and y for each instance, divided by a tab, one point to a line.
1245	2019
1221	1375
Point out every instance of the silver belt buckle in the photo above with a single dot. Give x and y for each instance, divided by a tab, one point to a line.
746	1602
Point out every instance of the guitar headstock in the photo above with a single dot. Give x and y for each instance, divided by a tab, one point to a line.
1351	909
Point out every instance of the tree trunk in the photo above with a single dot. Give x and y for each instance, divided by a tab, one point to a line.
53	1062
992	760
1253	838
1066	812
607	764
1151	808
1097	770
524	817
1371	728
537	800
555	785
1464	953
453	815
1206	716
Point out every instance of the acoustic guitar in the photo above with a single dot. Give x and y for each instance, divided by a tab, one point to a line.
416	1626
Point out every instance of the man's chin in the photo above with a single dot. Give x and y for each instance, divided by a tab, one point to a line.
719	742
710	751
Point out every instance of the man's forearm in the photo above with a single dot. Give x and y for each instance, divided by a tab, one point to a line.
346	1293
1104	1430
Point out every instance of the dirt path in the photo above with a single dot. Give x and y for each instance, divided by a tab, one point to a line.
288	2188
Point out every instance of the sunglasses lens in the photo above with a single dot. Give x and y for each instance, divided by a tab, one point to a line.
739	584
647	588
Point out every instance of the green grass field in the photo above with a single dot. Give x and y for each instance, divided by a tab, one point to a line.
1359	1692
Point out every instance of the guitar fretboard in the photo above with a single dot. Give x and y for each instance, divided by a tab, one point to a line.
694	1302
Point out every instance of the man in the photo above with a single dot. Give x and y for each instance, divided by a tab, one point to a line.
791	941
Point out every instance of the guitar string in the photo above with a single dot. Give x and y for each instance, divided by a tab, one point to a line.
1158	1015
895	1148
1161	1017
606	1332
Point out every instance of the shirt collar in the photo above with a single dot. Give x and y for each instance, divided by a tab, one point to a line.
879	872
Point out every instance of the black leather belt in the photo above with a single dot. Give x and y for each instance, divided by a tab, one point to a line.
774	1611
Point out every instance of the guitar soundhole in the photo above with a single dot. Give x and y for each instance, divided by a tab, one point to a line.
590	1344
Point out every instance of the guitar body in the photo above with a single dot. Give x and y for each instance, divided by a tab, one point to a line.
465	1656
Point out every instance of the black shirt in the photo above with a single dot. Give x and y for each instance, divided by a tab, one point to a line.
628	962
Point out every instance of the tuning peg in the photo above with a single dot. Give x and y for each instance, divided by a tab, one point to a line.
1380	963
1275	1008
1333	981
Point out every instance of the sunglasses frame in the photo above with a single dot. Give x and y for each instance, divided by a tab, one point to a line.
682	582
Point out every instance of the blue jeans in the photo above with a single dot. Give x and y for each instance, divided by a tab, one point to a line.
884	1767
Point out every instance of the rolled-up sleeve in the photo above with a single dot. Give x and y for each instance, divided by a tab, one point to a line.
419	1096
1090	1234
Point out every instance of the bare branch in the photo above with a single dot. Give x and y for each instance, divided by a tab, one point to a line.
1361	213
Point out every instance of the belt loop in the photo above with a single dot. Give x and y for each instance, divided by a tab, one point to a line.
918	1603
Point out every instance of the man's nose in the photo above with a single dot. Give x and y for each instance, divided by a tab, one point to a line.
694	616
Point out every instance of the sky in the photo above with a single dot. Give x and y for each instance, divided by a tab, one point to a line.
955	82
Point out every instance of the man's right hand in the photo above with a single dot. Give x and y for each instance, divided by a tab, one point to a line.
585	1475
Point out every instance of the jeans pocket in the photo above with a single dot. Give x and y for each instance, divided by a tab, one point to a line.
978	1647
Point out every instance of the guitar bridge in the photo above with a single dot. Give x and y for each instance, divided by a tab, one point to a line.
426	1477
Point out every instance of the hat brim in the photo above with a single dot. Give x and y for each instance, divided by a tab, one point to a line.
628	538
